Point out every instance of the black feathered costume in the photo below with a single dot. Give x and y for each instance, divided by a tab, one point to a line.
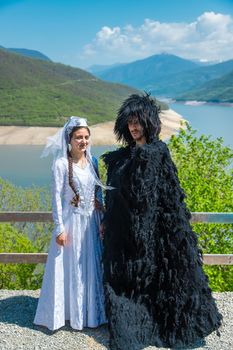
156	290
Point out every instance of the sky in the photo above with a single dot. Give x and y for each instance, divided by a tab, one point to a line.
82	33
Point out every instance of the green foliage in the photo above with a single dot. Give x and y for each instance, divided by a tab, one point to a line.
205	173
50	105
23	237
15	198
17	276
102	171
36	92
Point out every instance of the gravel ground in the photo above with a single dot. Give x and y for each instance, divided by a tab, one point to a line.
17	310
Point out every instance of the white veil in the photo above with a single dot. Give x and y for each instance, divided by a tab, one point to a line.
58	143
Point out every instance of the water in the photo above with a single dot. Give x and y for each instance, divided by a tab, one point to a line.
23	166
215	120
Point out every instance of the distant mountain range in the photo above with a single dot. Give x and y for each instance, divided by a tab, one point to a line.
37	92
28	53
144	74
171	76
215	90
100	68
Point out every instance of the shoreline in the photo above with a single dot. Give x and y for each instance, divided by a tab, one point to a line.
102	133
202	103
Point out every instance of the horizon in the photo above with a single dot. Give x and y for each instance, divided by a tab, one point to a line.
203	63
82	34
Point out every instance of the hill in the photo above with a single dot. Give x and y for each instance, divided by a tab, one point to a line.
216	90
98	68
180	83
35	92
146	73
28	53
166	75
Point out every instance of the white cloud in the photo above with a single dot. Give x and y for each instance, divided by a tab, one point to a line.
209	37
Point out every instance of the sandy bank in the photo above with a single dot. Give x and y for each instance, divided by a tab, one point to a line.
102	134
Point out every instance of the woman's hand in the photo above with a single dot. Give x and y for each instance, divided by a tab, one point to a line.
98	205
102	229
62	239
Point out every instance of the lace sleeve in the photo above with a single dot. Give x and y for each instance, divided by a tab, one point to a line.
58	178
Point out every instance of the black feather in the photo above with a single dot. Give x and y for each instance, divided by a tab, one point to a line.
156	290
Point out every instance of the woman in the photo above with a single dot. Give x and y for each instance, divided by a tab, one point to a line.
156	290
72	285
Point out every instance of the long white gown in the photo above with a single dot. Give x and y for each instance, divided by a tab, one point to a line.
72	286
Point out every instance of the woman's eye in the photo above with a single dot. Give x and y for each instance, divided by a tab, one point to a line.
79	138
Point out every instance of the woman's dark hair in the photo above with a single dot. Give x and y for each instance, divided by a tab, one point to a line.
76	198
141	107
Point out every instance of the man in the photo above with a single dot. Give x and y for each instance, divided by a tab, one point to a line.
156	290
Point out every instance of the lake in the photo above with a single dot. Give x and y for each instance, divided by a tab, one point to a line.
215	120
23	166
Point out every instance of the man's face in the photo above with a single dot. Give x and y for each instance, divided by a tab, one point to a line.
136	130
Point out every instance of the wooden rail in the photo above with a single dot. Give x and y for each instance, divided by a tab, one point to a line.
35	258
212	218
23	258
26	216
46	216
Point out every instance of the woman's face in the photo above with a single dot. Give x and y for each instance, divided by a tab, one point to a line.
80	140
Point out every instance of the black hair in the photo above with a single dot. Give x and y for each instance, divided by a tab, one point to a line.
146	110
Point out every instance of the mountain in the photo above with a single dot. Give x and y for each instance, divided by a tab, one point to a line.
179	83
28	53
36	92
216	90
205	63
98	68
166	75
146	73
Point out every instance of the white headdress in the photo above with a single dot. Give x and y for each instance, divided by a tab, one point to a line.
57	145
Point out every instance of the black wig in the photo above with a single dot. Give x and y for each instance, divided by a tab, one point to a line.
146	110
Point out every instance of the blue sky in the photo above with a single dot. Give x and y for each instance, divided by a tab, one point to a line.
82	33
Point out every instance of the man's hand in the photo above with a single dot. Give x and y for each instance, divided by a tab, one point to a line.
62	239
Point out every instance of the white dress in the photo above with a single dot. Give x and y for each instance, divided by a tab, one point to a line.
72	286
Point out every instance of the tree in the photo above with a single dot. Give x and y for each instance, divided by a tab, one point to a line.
205	173
15	198
23	237
17	276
